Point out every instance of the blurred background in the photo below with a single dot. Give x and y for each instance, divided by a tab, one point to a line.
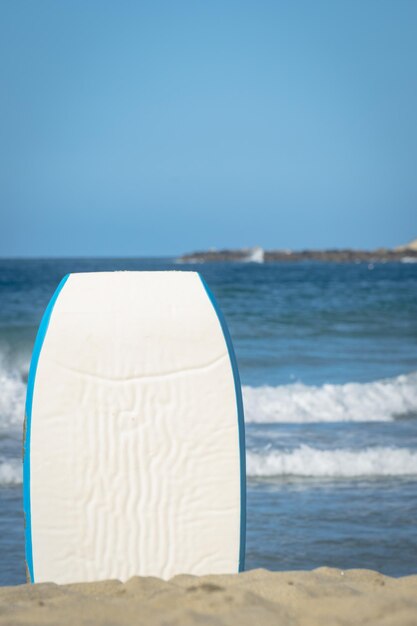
134	132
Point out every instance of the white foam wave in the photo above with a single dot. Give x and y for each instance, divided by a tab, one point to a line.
381	400
311	462
11	472
12	398
304	462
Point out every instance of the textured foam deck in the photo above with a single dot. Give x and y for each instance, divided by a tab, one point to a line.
134	446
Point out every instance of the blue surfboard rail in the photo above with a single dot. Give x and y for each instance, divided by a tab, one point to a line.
40	337
241	421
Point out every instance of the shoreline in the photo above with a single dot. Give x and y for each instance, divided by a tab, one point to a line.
318	597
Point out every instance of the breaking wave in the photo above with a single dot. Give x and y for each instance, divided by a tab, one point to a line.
12	398
303	462
312	462
378	401
382	401
11	472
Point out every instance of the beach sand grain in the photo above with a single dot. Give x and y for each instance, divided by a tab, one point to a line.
321	597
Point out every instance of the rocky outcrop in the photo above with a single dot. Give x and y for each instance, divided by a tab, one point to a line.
348	255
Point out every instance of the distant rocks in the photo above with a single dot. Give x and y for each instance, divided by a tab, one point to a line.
406	253
245	255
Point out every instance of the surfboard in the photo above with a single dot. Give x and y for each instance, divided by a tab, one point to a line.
134	452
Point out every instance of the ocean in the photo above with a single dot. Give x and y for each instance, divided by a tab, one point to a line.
327	355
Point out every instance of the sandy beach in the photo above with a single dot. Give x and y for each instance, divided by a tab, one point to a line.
322	596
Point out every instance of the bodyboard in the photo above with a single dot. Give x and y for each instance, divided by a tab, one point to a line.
134	460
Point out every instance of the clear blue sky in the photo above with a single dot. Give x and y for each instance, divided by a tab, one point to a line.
155	128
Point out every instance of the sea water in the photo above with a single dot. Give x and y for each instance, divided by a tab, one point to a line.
328	361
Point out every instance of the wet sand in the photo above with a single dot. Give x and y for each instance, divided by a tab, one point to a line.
320	597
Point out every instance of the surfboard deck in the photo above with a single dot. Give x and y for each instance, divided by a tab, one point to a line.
134	460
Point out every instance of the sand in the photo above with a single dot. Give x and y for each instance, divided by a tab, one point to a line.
322	596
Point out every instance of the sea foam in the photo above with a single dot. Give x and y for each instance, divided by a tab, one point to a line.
378	401
11	472
12	398
382	401
303	462
340	463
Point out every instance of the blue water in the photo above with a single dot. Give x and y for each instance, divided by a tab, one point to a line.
328	360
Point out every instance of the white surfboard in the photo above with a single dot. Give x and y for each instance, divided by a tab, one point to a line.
134	460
